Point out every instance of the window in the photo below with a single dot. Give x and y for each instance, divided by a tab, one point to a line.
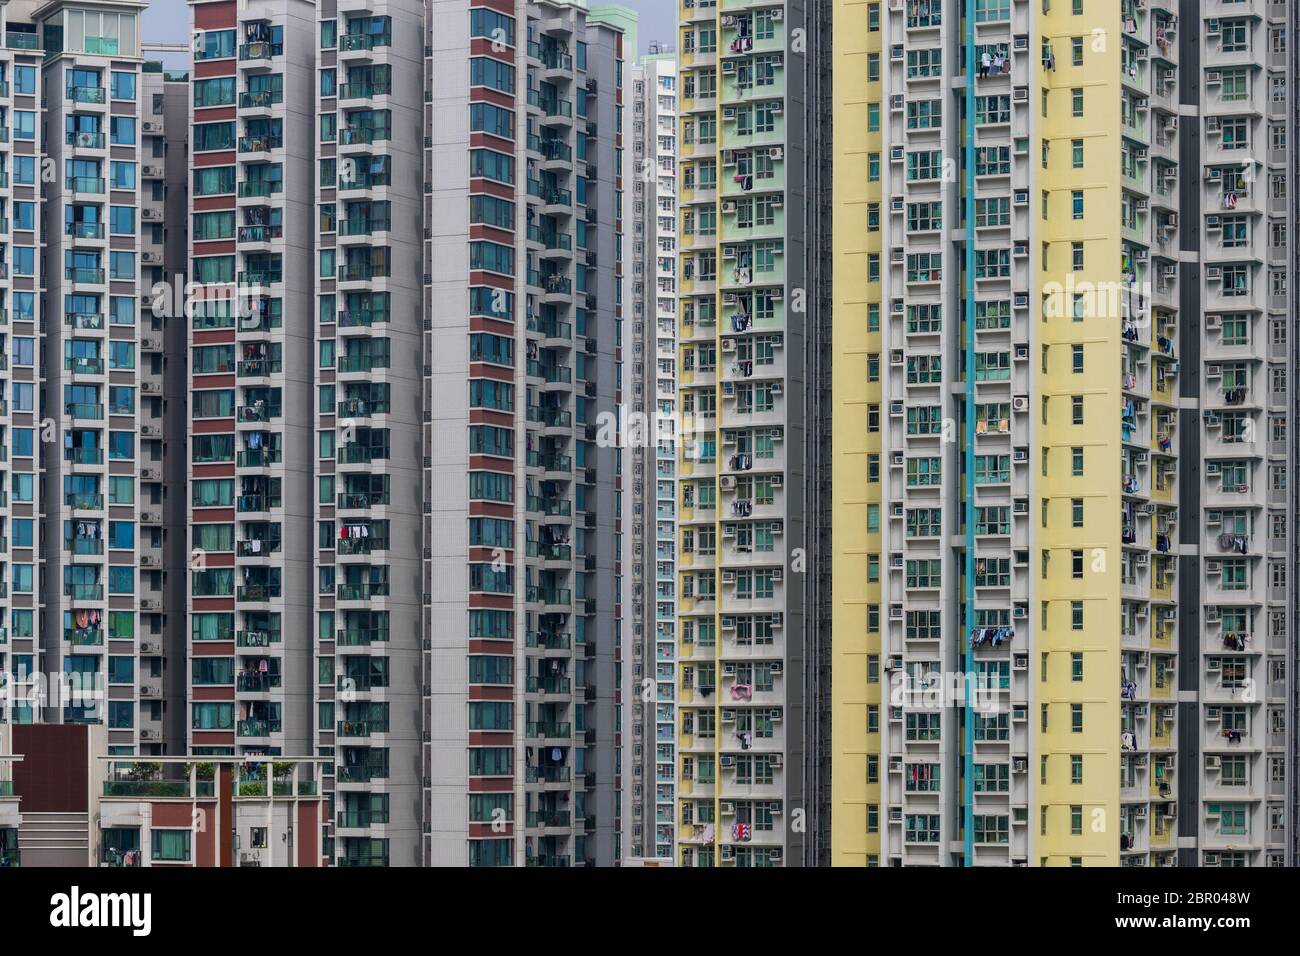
170	846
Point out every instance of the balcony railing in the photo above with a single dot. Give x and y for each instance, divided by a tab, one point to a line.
260	98
84	592
364	41
257	592
86	94
257	728
260	144
361	592
84	140
364	90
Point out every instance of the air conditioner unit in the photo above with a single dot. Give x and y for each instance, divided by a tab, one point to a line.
1020	403
727	482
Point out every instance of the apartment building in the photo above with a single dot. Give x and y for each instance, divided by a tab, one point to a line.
651	680
1073	471
1240	222
85	580
525	175
21	638
370	293
749	197
252	376
858	693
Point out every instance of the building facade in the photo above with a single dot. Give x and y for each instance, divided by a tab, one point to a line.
749	92
525	166
653	679
84	436
1079	292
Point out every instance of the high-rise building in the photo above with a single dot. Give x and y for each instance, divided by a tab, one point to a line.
751	276
651	692
1062	380
857	696
525	298
359	444
252	376
84	220
369	309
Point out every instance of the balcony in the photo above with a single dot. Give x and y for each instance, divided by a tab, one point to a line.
84	140
84	184
260	188
84	230
84	592
362	363
363	500
361	318
549	730
249	638
549	685
84	456
362	591
85	94
548	774
84	274
258	458
363	271
364	90
260	99
254	682
361	135
257	728
84	636
257	592
257	368
261	50
363	408
361	637
349	42
260	144
254	413
254	234
257	547
84	365
364	227
83	545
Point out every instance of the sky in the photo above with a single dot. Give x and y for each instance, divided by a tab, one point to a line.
168	21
